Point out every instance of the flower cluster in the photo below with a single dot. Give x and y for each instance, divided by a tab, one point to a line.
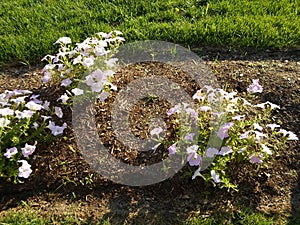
242	131
25	120
93	55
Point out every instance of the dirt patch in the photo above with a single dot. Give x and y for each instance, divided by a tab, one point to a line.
64	182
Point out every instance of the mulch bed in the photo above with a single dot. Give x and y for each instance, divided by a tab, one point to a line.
62	177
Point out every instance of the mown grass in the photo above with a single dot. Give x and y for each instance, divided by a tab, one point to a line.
246	217
30	217
242	218
29	27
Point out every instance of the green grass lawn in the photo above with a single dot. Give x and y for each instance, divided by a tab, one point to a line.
32	217
28	28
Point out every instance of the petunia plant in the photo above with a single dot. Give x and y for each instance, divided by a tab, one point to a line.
242	132
26	121
91	59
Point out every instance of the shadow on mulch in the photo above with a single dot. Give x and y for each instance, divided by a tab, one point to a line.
295	200
246	54
62	175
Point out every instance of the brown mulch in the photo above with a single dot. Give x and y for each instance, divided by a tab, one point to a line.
63	178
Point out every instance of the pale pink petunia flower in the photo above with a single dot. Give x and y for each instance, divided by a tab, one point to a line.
266	149
99	50
48	67
172	149
46	105
46	117
46	57
156	146
33	106
212	98
242	150
58	56
6	112
56	130
63	40
218	114
66	82
208	88
190	111
60	67
173	110
284	132
85	47
205	108
259	135
197	173
272	126
77	91
97	87
255	87
108	73
35	125
215	176
238	117
77	60
58	112
189	137
25	169
192	149
35	99
19	100
4	122
112	86
103	96
292	136
87	62
28	150
223	131
255	159
111	62
18	114
256	126
245	102
95	80
199	96
10	152
64	98
272	105
46	77
104	35
156	131
230	95
194	159
225	150
26	114
245	135
211	152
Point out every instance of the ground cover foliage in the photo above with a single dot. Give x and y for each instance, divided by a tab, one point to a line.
29	27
